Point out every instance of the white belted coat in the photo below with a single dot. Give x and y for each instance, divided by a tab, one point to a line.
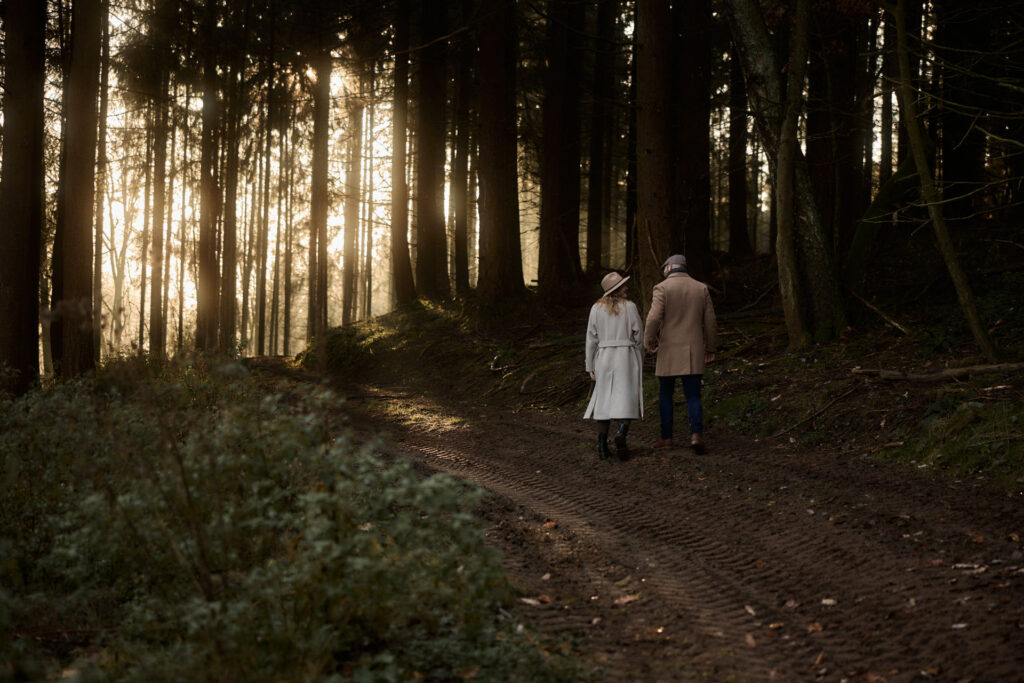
615	355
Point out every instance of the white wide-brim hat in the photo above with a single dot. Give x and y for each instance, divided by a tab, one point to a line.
612	281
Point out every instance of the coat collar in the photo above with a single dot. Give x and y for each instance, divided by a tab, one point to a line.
670	275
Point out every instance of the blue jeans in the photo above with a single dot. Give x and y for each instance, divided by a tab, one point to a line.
691	389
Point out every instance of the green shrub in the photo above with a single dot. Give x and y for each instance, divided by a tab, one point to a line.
185	527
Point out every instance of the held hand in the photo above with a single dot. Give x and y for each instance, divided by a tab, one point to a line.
593	377
653	349
708	357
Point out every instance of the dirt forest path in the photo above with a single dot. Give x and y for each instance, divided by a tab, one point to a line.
750	563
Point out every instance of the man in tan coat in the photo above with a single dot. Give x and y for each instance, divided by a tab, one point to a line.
681	329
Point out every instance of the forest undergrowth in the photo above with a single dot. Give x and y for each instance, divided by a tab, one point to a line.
178	521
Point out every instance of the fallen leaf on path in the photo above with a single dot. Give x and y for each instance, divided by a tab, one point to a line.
533	602
818	662
545	599
828	602
791	603
1014	537
546	577
931	671
469	672
959	626
626	599
977	538
815	628
549	525
750	640
750	611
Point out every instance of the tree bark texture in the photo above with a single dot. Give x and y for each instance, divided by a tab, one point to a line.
21	193
208	286
401	265
83	84
318	192
500	276
785	193
460	168
739	237
814	275
692	114
559	258
160	134
654	214
600	126
431	238
352	197
101	186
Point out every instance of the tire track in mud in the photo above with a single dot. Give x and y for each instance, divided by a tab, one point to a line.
753	586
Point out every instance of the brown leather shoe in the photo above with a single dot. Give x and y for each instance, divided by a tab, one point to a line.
662	443
697	444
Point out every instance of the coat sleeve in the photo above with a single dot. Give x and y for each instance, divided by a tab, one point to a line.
655	318
636	326
710	324
591	347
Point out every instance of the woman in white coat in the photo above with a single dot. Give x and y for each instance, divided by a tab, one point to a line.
614	359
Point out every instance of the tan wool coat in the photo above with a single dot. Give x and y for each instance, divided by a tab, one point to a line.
681	325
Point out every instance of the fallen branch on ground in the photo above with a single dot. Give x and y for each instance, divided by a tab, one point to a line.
879	311
941	376
817	413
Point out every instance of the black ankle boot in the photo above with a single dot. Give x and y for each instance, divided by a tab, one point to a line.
621	449
602	447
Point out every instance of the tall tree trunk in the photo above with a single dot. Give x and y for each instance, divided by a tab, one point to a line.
368	184
322	66
631	261
21	192
156	323
889	74
289	231
263	241
353	192
815	273
739	237
460	167
431	242
963	33
559	259
147	217
83	83
275	302
654	216
255	183
208	286
692	125
101	186
600	125
404	290
165	298
500	276
229	251
785	182
919	150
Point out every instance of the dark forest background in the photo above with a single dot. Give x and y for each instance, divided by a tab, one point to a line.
238	176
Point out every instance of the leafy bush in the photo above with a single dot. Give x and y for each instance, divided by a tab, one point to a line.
184	526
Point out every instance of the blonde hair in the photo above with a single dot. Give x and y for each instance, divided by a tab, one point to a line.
610	301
